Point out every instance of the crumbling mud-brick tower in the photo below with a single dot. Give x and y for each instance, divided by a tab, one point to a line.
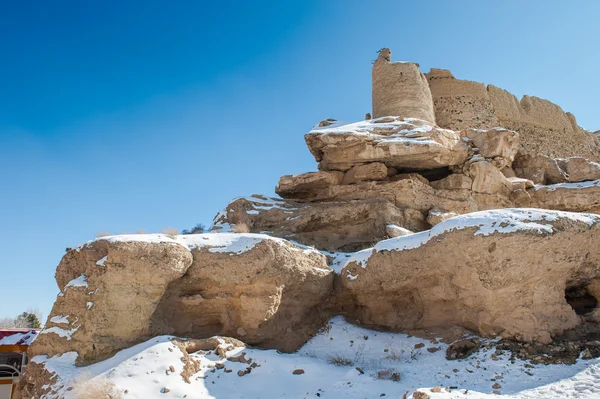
400	89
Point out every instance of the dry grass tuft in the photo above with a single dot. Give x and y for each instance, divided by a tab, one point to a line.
171	232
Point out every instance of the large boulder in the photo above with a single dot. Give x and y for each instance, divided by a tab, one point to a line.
262	290
398	143
499	144
367	172
304	185
578	169
118	291
334	225
109	289
502	272
573	197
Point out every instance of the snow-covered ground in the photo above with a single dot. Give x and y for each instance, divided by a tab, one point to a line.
343	361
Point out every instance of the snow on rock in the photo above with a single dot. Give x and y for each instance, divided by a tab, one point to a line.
234	243
343	361
61	332
101	261
552	187
80	281
60	319
501	221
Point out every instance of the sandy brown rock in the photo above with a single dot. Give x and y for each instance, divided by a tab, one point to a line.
510	284
573	197
435	216
540	169
304	185
267	296
400	144
578	169
334	225
112	310
368	172
456	181
488	179
495	143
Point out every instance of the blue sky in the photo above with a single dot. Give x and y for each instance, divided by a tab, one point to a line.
127	116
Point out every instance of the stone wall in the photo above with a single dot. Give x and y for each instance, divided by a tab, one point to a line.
544	128
460	104
400	89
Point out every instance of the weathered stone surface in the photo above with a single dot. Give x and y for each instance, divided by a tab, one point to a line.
435	216
371	171
306	184
264	291
456	181
400	144
334	225
400	89
540	169
573	197
109	290
519	183
122	290
578	169
496	273
487	179
495	143
545	170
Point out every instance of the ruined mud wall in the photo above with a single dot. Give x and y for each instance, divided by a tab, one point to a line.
400	89
544	127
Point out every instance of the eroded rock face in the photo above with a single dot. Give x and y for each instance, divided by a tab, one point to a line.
267	292
304	185
396	142
121	290
368	172
334	225
573	197
496	272
109	290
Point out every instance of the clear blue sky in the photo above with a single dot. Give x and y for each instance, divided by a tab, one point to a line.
141	115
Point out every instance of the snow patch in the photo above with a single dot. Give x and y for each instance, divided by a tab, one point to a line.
60	319
80	281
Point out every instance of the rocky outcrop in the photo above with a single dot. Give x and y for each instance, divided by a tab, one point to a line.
266	292
573	197
121	290
397	143
347	225
438	153
109	291
496	272
304	185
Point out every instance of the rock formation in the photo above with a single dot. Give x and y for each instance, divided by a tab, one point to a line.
499	272
417	192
